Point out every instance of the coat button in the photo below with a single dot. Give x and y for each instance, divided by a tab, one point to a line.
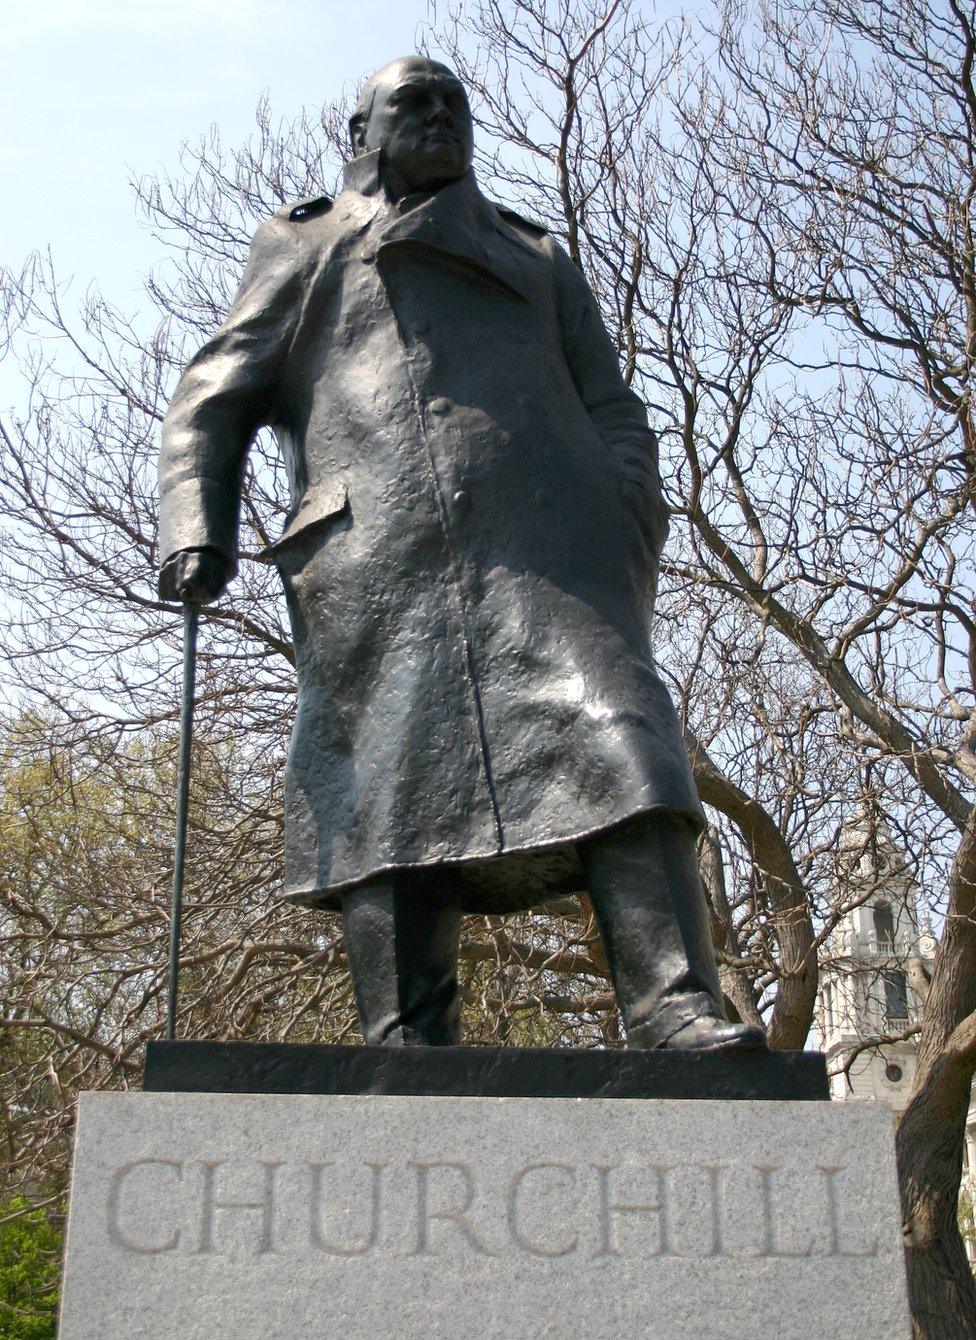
439	405
462	500
541	497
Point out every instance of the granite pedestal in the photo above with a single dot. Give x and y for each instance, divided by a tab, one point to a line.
264	1215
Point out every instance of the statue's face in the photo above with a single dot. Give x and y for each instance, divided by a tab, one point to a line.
421	120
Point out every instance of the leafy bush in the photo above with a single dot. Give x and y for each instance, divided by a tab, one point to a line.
30	1255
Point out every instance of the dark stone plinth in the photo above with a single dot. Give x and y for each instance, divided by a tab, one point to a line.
481	1072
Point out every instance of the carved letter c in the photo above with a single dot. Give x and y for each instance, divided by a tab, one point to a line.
112	1207
534	1248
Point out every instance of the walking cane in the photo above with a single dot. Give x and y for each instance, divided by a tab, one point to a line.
191	621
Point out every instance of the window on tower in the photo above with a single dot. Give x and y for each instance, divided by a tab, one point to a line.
884	927
896	998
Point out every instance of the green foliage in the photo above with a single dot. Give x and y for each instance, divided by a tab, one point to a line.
30	1254
967	1209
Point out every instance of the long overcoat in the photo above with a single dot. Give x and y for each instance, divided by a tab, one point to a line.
471	552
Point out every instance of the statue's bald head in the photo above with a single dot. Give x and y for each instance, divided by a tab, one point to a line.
416	111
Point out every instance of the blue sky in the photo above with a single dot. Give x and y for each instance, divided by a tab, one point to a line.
95	90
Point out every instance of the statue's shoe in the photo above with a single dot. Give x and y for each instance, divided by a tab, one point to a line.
708	1034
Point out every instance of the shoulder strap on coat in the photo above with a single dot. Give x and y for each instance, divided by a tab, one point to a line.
526	225
306	209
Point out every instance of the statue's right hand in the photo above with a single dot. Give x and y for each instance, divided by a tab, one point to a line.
198	575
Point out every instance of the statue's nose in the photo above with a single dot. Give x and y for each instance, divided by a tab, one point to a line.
439	114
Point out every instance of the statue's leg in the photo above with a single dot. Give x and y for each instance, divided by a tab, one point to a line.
403	956
644	884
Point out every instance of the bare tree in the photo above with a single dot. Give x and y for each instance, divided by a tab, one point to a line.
859	122
813	612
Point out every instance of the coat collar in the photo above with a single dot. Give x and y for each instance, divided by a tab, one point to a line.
362	174
458	226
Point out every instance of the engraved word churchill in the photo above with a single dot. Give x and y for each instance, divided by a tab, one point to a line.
546	1209
469	559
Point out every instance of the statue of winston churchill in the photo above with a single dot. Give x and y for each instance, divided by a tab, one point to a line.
469	563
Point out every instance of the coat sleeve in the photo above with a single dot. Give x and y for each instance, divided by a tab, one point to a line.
224	396
617	412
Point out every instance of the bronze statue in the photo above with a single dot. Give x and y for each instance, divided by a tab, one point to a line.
469	562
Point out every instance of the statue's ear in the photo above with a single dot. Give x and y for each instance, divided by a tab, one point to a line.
357	132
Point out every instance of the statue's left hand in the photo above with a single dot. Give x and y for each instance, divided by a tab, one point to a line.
197	575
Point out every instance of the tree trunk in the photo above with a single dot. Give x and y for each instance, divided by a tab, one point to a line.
929	1144
788	903
941	1290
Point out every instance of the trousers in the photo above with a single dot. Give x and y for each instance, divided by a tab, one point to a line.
643	881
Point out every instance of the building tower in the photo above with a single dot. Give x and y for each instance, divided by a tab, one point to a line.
880	944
